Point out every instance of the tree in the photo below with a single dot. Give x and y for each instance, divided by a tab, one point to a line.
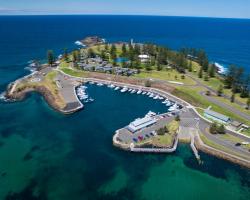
50	57
200	74
248	103
91	53
66	55
232	97
211	70
177	118
221	129
230	77
220	90
213	128
159	67
148	83
124	50
206	78
76	56
190	66
113	52
148	66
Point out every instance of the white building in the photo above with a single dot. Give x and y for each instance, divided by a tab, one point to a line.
144	58
141	123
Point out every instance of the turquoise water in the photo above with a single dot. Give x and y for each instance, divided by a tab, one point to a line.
122	60
46	155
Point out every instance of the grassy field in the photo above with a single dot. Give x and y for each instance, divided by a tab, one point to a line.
165	75
167	138
49	83
192	96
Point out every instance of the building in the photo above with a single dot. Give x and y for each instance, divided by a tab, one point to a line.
216	116
144	58
141	123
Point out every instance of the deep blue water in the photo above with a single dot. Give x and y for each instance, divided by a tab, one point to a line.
23	38
45	155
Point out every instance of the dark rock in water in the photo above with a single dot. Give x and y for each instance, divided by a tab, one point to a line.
26	194
93	40
3	174
27	157
6	132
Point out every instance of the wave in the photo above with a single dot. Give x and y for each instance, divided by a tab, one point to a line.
2	97
79	43
221	69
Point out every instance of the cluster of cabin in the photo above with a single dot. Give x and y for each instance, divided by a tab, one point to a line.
97	64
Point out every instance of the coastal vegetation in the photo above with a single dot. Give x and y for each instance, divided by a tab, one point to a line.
166	135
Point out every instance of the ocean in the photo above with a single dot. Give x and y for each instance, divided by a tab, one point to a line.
45	155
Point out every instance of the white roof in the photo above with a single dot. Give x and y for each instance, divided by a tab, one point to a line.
143	56
141	123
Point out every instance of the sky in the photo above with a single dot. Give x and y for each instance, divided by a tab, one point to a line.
199	8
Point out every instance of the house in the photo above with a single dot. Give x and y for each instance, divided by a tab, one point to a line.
216	116
144	58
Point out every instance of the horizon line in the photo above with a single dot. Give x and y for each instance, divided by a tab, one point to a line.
142	15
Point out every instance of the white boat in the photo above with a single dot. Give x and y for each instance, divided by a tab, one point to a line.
112	86
160	97
151	95
133	91
173	107
129	89
125	89
117	88
156	97
139	92
168	103
144	93
99	84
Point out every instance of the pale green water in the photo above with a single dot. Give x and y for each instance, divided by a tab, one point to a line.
45	155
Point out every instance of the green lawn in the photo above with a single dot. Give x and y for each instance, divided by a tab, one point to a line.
165	75
167	138
76	73
192	96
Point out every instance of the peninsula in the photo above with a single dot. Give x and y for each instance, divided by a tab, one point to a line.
205	108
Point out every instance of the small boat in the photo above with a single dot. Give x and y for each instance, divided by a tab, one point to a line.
117	88
91	83
133	91
112	86
151	95
99	84
156	97
160	97
129	89
139	92
173	107
144	93
125	89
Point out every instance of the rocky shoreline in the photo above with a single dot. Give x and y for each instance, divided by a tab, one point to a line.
221	155
43	91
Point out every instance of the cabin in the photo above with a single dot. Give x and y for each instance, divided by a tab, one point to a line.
144	58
